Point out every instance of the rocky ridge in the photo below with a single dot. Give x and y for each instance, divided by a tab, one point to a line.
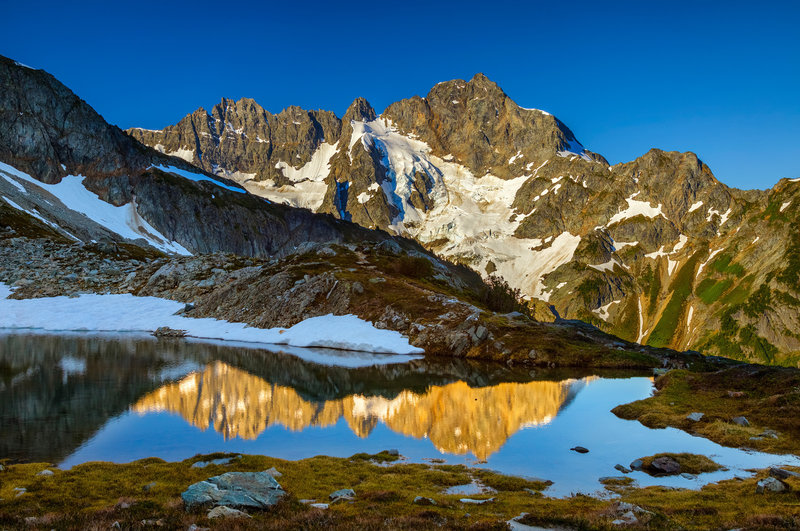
655	250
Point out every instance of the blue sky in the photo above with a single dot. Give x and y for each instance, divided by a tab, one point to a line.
718	78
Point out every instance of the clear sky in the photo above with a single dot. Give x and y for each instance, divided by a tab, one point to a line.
721	78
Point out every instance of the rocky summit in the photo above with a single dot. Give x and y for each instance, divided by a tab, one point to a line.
656	250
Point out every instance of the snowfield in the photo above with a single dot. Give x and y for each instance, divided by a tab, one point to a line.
127	313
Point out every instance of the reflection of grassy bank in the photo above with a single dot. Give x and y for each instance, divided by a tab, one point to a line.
769	397
96	495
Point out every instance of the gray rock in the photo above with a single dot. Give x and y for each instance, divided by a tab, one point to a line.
664	466
771	484
422	500
580	449
695	417
627	518
393	452
273	472
150	486
319	505
622	469
342	493
782	474
19	491
223	511
637	464
253	490
45	473
741	421
220	461
686	475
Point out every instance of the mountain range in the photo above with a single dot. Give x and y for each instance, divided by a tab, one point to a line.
655	251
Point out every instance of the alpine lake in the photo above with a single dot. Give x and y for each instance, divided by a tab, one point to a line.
74	398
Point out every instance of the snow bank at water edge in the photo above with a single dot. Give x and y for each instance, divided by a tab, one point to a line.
127	313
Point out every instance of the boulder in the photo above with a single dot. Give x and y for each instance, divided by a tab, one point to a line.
771	484
741	421
580	449
637	464
622	469
664	466
245	490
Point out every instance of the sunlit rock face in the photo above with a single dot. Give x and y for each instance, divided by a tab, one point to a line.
457	418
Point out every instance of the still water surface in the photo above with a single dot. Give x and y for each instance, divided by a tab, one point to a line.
70	399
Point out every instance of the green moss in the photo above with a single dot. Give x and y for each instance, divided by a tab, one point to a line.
723	265
710	290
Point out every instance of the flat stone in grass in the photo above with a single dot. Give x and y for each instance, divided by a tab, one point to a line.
243	490
343	493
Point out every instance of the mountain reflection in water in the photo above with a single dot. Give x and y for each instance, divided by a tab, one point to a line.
456	418
57	392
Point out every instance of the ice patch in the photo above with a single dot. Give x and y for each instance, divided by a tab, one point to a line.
197	177
127	313
695	206
785	205
513	159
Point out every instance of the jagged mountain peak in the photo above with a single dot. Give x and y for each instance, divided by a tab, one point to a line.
360	110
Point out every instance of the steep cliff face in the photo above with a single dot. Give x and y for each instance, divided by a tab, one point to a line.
84	179
655	250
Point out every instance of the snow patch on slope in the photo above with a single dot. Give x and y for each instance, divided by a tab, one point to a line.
308	186
127	313
197	177
636	208
123	220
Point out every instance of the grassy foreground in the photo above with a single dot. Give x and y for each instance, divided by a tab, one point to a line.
768	397
146	494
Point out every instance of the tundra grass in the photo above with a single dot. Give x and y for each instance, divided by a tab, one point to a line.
146	494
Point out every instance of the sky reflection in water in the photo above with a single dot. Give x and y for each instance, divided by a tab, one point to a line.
175	400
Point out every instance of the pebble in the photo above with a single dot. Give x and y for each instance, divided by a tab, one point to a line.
224	511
